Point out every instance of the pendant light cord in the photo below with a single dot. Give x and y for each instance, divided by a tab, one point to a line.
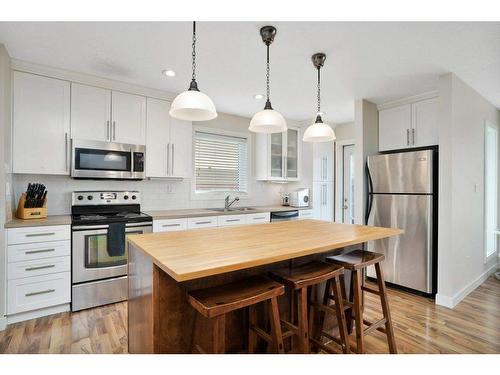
267	73
193	54
319	90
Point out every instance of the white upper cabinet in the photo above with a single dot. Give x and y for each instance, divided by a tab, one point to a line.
41	124
277	156
168	142
323	161
410	125
128	114
424	123
394	128
90	113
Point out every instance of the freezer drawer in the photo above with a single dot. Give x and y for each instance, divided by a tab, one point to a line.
408	257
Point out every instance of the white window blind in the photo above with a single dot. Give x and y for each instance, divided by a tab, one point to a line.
220	163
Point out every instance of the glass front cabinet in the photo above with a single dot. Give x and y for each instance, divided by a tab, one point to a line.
277	156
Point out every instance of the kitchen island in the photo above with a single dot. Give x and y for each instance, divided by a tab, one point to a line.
164	266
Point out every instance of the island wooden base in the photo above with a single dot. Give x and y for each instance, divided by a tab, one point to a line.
160	320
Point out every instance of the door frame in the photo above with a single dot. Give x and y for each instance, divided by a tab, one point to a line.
339	180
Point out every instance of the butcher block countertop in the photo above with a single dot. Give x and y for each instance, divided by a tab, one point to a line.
49	220
188	255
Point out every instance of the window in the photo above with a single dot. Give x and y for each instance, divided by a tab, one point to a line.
491	156
220	163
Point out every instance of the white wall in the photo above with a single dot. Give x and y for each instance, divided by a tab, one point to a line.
345	131
461	263
366	138
157	194
5	109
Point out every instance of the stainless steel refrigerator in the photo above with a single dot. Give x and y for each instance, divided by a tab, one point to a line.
402	194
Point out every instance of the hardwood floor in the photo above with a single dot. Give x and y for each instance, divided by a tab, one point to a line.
420	327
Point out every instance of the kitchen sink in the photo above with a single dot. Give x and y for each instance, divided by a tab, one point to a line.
233	209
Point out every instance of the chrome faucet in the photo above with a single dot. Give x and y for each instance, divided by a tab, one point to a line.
228	204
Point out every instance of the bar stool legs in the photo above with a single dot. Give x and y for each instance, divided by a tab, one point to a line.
302	323
275	339
385	309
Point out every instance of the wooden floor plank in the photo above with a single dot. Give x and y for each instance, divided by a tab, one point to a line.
420	327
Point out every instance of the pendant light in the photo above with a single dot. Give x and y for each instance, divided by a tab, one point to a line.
268	120
193	105
319	131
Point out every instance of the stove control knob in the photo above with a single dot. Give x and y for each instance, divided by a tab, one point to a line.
134	197
80	197
90	197
125	197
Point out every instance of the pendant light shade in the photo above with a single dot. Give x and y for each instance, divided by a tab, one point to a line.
319	131
268	120
193	105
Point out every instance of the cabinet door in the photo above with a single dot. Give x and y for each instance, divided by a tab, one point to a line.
292	154
323	161
181	146
90	113
327	209
157	138
128	118
276	161
317	199
424	130
41	124
394	126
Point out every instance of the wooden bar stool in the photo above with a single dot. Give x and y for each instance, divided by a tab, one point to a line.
356	261
298	280
214	303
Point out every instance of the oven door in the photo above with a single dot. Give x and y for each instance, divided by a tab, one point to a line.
91	260
95	159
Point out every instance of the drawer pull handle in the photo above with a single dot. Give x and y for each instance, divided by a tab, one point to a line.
39	251
40	292
259	218
171	225
230	220
40	234
203	222
39	267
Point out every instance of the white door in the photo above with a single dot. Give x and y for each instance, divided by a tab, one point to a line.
348	184
181	146
157	138
41	124
394	128
128	118
323	161
424	130
90	113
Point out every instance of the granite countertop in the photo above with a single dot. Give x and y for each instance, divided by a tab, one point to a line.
196	212
49	220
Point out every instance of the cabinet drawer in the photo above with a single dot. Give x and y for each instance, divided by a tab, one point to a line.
264	217
202	222
41	250
227	220
38	267
169	225
38	234
305	214
38	292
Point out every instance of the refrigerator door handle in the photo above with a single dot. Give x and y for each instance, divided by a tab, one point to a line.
369	197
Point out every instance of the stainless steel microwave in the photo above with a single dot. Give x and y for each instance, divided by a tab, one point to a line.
106	160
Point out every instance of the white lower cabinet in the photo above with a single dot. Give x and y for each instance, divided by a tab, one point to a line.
227	220
31	293
38	268
306	214
202	222
323	200
264	217
170	225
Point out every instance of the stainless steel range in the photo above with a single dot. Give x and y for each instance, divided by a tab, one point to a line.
101	220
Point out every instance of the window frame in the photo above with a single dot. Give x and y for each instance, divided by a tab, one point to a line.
490	257
220	195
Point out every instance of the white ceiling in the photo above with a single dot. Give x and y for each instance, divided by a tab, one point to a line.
376	61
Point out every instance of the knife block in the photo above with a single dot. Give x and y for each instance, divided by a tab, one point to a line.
30	213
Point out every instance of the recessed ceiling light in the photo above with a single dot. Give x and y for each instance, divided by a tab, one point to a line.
169	73
258	96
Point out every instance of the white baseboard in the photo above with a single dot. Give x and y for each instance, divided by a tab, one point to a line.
37	313
3	323
452	301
